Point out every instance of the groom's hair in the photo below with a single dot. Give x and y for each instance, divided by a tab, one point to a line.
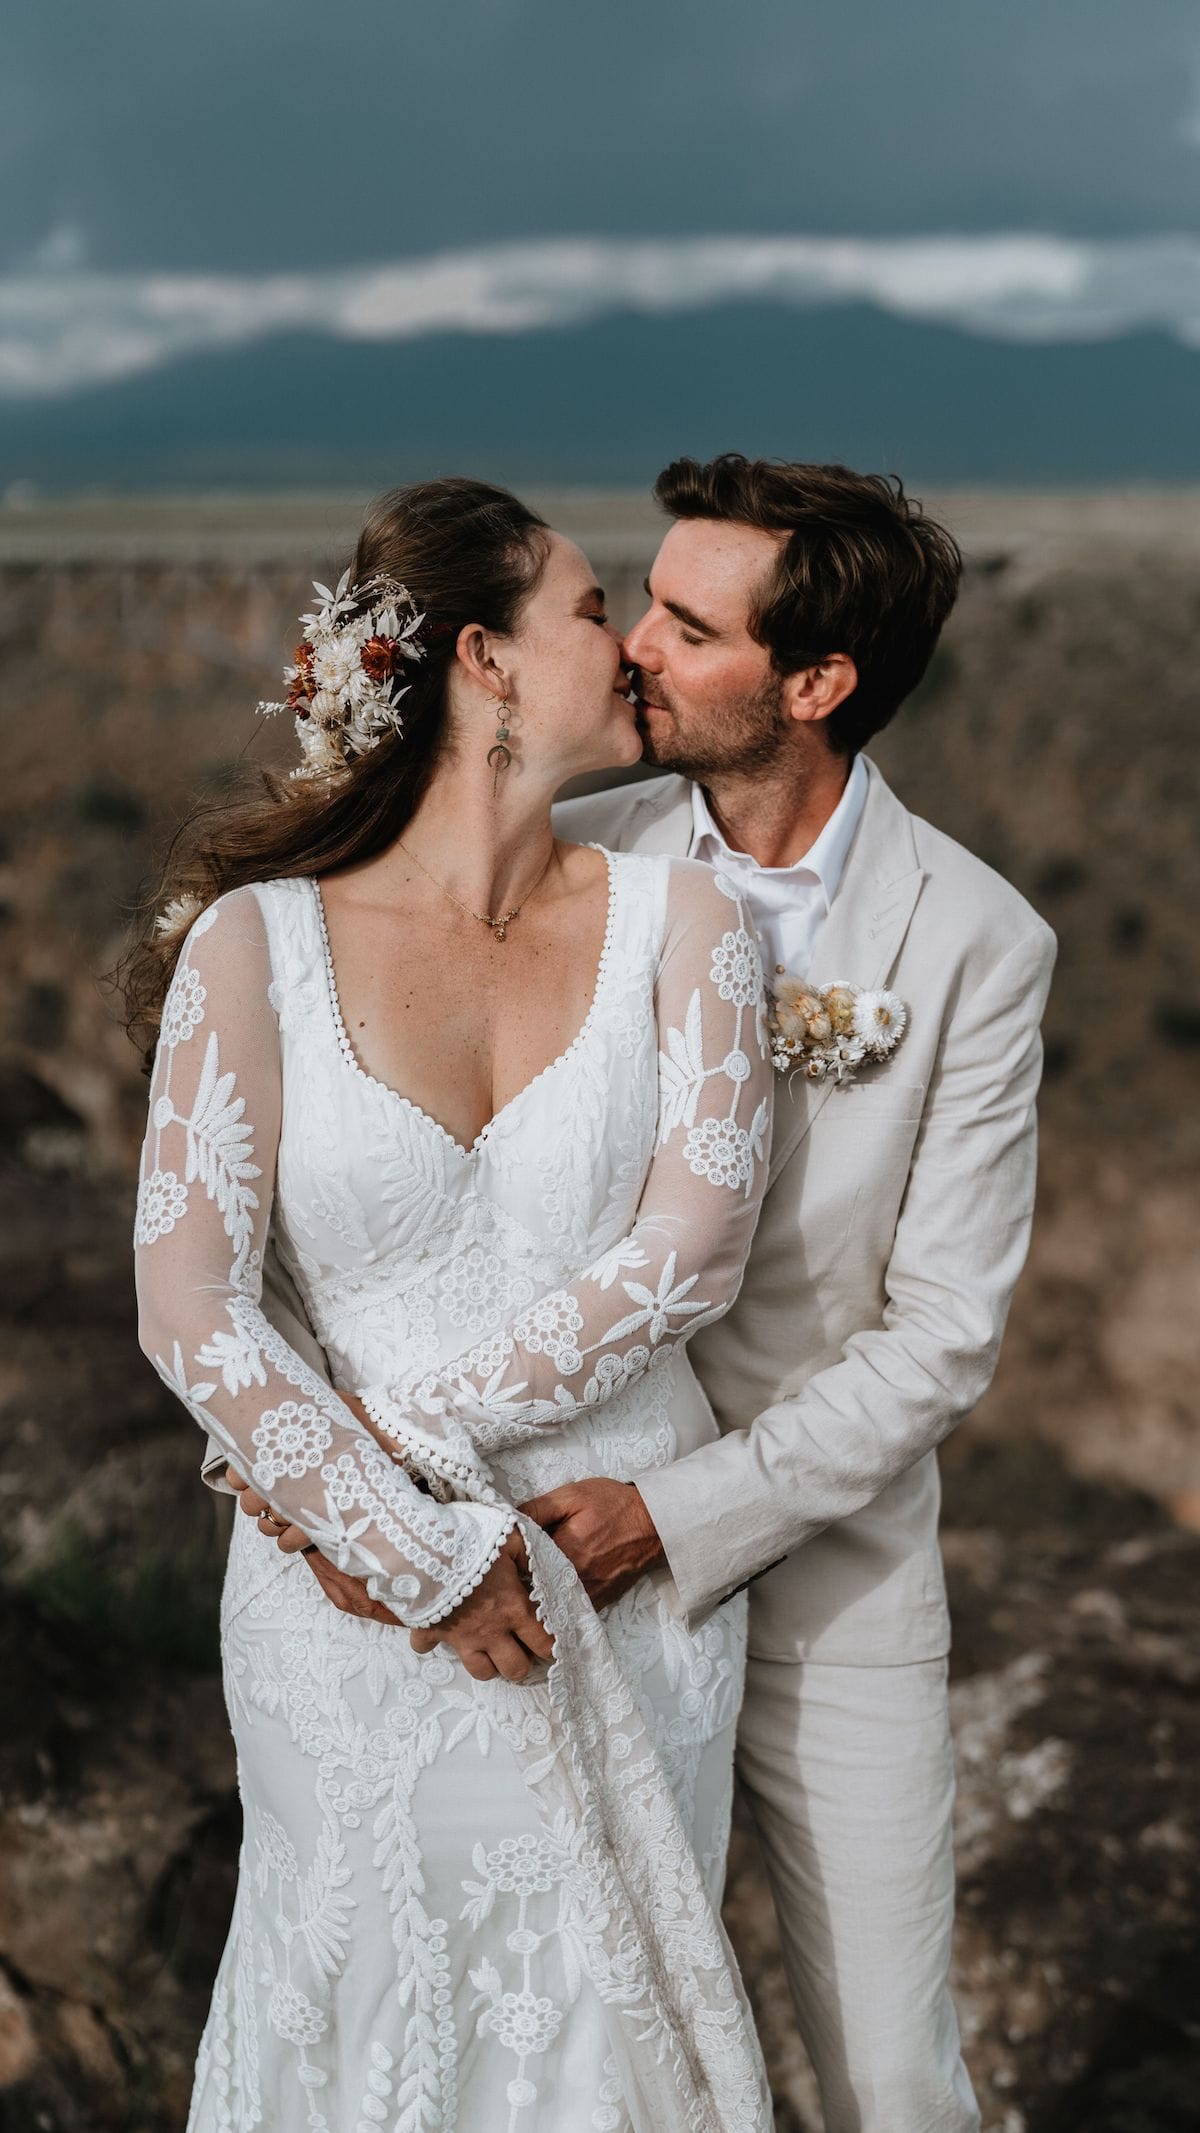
864	572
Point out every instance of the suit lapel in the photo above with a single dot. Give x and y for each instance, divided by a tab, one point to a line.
859	941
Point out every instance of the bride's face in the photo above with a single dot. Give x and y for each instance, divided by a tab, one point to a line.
572	707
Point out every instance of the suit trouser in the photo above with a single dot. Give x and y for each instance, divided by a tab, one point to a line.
849	1774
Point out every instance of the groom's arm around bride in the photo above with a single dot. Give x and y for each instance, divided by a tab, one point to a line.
932	1295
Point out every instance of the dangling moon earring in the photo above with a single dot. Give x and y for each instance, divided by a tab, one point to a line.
500	754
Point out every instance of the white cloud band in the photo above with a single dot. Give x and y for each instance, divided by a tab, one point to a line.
63	328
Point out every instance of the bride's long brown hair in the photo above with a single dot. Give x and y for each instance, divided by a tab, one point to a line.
467	552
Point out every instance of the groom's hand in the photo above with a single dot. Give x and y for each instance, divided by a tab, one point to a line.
604	1529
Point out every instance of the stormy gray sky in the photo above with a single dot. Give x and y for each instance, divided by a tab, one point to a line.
183	184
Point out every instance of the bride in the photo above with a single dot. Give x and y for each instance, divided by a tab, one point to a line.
500	1105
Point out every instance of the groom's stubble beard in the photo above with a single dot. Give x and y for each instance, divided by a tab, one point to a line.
745	734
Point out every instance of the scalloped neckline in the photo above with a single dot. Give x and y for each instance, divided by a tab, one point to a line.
407	1103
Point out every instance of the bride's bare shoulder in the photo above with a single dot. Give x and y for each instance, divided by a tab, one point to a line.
584	866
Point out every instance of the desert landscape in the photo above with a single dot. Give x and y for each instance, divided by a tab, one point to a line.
1055	736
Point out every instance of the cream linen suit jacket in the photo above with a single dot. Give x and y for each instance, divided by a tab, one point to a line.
895	1224
892	1233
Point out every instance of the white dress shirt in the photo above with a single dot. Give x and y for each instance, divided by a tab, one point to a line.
787	905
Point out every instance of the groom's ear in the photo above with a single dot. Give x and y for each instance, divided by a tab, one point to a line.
811	693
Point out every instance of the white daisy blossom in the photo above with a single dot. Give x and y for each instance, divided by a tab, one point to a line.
880	1019
336	664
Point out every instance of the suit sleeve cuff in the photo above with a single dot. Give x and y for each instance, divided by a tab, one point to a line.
687	1595
212	1468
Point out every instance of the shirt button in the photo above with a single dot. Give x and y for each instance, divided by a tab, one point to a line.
779	971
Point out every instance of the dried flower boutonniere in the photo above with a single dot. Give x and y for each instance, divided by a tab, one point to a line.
829	1031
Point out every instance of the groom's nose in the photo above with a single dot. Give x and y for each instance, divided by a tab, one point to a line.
637	649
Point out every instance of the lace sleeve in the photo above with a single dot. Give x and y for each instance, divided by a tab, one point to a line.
204	1199
681	1263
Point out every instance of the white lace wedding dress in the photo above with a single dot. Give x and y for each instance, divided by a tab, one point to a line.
469	1907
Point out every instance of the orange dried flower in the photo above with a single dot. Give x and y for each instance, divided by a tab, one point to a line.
380	658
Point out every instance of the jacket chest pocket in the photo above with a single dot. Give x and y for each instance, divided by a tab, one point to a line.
878	1102
857	1160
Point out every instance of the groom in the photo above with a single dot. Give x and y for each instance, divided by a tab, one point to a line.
792	609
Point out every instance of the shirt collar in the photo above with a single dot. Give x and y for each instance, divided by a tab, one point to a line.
826	856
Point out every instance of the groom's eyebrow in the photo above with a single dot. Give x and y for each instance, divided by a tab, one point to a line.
683	614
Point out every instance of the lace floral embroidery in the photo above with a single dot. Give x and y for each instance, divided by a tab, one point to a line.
290	1439
604	1242
501	1391
183	1011
162	1202
737	968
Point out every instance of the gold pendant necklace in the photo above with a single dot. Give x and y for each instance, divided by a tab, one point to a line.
499	925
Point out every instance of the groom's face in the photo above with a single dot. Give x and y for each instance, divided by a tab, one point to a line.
709	699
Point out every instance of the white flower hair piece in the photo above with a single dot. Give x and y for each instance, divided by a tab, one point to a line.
343	685
827	1033
176	916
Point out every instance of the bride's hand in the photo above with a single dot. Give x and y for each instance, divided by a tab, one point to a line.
292	1539
496	1629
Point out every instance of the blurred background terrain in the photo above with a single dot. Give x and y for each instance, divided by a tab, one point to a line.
256	264
1054	736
